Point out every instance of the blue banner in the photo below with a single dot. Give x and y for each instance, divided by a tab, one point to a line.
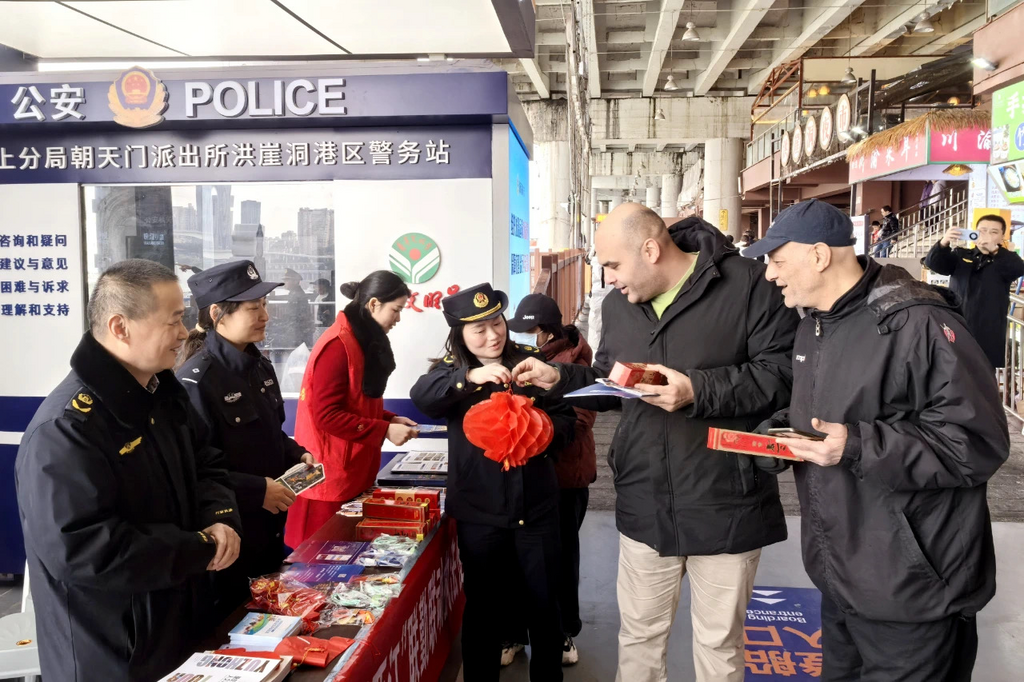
782	634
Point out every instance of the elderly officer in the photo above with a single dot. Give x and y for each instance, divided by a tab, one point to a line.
234	388
124	509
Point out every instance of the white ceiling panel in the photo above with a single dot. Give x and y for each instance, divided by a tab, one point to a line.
406	26
46	29
213	27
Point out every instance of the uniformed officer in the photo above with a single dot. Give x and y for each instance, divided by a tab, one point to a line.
235	390
124	509
506	520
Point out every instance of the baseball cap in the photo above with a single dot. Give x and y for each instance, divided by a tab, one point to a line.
809	222
535	310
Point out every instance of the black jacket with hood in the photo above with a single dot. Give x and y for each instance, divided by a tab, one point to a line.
729	330
899	530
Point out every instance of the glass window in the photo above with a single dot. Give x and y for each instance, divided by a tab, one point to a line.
286	229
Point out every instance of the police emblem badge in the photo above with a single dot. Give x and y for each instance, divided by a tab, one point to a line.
137	98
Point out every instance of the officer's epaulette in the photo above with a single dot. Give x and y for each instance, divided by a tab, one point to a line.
529	350
195	374
80	406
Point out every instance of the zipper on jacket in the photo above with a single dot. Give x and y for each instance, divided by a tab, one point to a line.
815	510
817	326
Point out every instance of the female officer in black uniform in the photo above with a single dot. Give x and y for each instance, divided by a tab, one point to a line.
235	390
506	520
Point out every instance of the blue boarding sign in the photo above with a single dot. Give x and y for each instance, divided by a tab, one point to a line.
782	635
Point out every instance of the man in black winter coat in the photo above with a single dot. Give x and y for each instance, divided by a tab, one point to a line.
688	304
125	509
894	520
982	278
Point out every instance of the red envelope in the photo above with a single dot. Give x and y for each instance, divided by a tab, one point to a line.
313	650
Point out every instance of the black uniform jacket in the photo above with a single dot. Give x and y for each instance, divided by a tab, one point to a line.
479	491
237	395
115	486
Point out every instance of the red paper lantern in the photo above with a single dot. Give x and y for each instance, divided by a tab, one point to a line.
508	428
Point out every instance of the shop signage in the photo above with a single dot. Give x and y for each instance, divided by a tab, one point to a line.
843	114
1008	124
825	129
810	136
911	152
241	155
785	148
242	102
1008	180
798	145
972	145
415	258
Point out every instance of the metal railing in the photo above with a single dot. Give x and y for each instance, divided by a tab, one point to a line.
924	224
1011	379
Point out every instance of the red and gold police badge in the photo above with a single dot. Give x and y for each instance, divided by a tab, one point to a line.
137	98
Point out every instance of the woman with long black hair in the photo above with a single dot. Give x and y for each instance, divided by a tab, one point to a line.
507	521
341	413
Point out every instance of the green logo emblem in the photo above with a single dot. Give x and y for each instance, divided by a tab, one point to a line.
415	258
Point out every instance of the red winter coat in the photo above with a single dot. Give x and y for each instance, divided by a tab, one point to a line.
342	427
576	465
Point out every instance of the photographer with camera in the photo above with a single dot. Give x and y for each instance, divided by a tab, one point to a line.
981	277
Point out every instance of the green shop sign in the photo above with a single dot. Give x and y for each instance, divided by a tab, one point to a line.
1008	124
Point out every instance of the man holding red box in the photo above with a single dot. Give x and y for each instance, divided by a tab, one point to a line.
692	309
895	523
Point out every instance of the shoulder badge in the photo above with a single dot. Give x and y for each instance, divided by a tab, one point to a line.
950	334
82	402
129	447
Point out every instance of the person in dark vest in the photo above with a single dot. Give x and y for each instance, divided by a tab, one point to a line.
124	506
981	277
236	392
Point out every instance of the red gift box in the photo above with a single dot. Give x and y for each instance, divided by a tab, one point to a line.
629	374
432	496
397	511
748	444
371	529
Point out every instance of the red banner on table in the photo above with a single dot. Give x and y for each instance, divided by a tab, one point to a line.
748	444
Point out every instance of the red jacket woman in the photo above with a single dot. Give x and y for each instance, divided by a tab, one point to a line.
341	414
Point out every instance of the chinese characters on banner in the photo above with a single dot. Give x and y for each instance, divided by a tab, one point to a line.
910	152
1008	124
34	275
782	634
431	300
239	155
970	145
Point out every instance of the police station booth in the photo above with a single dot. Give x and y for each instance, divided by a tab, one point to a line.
325	172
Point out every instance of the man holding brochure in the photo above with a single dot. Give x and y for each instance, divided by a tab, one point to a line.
721	336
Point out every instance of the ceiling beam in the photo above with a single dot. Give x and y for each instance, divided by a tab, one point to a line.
540	79
668	20
816	26
888	30
750	14
944	41
590	40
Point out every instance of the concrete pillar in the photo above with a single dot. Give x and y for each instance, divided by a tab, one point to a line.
722	201
671	186
653	198
549	188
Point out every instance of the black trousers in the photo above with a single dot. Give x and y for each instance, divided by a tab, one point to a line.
572	508
859	650
495	561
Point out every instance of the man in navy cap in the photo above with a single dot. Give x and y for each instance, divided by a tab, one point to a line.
895	523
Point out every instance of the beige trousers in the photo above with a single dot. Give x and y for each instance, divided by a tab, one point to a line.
648	589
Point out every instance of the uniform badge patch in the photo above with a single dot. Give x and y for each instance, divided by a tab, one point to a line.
82	403
232	397
129	447
268	382
950	334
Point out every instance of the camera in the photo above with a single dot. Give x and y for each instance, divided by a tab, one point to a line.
971	236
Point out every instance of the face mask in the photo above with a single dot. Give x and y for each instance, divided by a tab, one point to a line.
524	339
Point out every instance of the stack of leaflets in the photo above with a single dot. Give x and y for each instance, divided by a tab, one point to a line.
302	477
422	463
221	668
264	631
606	388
